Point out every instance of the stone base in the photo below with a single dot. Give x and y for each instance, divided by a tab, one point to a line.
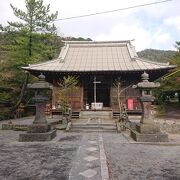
29	137
147	128
39	128
140	137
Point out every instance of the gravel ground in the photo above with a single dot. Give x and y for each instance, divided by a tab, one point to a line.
141	161
53	160
36	160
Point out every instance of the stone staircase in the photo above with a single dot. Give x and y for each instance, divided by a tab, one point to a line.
75	114
116	114
102	114
93	125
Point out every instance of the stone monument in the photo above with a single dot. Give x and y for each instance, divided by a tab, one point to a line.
40	130
147	130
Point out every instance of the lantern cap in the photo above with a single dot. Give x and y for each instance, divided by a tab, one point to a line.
145	76
145	84
41	77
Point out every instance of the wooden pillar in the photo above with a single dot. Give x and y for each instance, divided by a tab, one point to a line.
55	96
82	95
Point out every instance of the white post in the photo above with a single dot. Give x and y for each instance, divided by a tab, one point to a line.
94	89
95	82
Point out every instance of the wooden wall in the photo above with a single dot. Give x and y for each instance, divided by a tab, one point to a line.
114	98
75	98
128	93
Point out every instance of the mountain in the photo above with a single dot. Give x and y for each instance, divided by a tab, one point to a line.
156	55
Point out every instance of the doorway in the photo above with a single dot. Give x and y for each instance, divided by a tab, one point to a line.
102	94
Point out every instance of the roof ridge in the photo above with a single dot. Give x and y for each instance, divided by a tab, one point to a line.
63	52
96	42
132	54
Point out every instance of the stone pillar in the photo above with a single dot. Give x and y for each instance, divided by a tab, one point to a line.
40	124
146	117
147	124
40	117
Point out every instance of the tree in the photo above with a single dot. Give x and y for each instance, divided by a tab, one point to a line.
122	107
32	39
35	33
156	55
170	84
36	19
67	86
76	39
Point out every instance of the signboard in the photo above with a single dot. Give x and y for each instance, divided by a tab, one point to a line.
97	105
130	104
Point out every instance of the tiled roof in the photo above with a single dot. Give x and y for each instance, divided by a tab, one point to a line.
97	56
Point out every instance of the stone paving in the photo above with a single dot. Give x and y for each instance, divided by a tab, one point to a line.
86	164
90	162
88	156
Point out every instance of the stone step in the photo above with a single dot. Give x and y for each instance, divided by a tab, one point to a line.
75	115
96	114
94	124
93	130
94	127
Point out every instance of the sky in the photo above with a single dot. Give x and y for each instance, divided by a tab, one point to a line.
156	26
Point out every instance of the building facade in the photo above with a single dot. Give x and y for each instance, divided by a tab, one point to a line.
99	66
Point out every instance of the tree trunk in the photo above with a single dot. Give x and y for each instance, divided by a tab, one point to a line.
179	97
30	33
30	45
21	94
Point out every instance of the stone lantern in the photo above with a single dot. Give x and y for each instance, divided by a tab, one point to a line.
147	130
40	130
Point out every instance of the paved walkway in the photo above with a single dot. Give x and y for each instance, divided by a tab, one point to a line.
87	156
90	162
